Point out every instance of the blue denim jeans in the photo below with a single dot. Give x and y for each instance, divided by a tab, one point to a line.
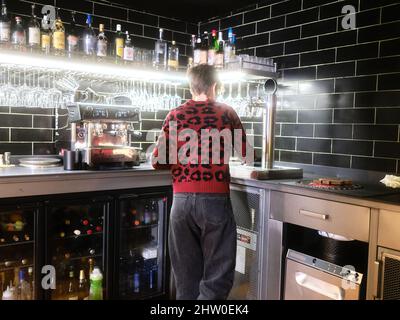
202	245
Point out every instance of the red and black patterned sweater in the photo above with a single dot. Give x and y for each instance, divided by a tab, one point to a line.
196	176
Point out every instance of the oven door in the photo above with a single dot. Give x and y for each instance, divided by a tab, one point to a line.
308	278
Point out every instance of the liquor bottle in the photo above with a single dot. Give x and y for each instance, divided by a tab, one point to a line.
33	32
72	38
102	43
119	44
161	52
24	288
136	282
83	289
91	265
18	37
204	48
197	52
128	49
96	285
213	48
89	38
45	35
5	25
233	50
58	40
9	294
219	57
228	47
173	57
31	282
72	293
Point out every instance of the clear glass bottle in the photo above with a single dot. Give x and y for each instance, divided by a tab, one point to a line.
197	52
5	25
18	36
161	52
204	48
128	49
228	47
119	44
83	287
58	37
88	38
72	292
33	32
45	36
102	43
72	38
173	57
213	48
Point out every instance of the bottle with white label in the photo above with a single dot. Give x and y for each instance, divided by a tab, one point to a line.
161	52
102	43
33	32
45	36
5	25
128	49
18	36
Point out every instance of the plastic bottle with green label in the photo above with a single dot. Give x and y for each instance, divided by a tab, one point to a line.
96	285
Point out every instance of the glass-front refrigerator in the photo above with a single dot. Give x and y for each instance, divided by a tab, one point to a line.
76	244
17	252
141	246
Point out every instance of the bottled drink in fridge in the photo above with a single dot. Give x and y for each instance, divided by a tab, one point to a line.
102	43
58	37
119	44
83	289
173	57
89	38
18	37
161	48
128	49
213	48
204	48
33	32
9	294
45	35
136	282
219	57
24	289
73	38
96	285
197	52
72	293
5	25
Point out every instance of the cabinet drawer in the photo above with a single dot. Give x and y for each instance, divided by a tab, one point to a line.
343	219
388	230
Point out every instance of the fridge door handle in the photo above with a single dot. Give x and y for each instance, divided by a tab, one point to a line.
319	286
375	289
311	214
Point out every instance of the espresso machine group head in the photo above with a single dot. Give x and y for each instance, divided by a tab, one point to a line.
103	135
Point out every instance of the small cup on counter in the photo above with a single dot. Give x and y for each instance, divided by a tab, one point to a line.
72	160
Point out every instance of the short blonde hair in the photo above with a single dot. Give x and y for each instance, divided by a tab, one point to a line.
202	78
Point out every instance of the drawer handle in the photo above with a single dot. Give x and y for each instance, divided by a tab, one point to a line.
314	214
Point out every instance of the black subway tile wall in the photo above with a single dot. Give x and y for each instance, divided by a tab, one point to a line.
25	131
339	99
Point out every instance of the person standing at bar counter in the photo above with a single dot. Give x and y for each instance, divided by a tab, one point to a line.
202	235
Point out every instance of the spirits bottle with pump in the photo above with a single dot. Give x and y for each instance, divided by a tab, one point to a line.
89	38
219	57
161	52
173	57
119	44
128	49
58	46
72	38
33	32
18	36
102	43
5	25
204	48
213	48
45	36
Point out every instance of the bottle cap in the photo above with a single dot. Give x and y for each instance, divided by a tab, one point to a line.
118	27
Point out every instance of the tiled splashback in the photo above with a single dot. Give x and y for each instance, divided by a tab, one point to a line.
25	131
339	99
339	95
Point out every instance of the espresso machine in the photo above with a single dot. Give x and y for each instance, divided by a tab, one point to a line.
102	135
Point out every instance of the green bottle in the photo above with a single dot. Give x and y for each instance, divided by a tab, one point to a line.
96	285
